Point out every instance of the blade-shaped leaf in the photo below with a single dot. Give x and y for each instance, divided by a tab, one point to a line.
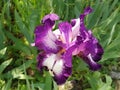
4	65
22	27
2	51
48	82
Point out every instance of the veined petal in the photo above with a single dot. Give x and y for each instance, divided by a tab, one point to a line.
66	32
93	47
88	47
98	52
92	64
78	26
91	53
45	39
57	66
67	70
61	79
47	60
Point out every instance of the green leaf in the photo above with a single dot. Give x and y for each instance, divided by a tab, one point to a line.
48	81
55	86
108	79
92	81
32	85
2	36
4	65
7	85
39	85
2	52
22	27
104	87
18	71
111	34
19	45
108	55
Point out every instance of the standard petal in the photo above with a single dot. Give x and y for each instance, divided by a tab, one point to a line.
45	39
75	27
66	32
87	11
52	17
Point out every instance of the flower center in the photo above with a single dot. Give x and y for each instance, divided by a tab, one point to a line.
61	51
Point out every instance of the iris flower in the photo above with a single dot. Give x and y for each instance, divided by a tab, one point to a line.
57	47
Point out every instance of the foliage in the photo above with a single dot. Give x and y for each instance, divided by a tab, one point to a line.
18	19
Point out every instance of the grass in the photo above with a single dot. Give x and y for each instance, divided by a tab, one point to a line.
18	19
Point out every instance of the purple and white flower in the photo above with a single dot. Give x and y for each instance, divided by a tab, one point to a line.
58	46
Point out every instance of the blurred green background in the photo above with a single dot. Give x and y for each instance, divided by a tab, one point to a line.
18	19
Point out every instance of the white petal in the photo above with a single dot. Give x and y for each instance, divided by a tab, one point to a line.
58	67
90	58
76	28
49	62
49	40
57	33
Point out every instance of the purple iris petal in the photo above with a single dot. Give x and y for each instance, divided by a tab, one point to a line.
73	22
66	32
52	17
44	37
60	64
67	70
87	11
90	52
40	58
89	49
98	52
75	27
57	65
45	40
92	64
61	79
